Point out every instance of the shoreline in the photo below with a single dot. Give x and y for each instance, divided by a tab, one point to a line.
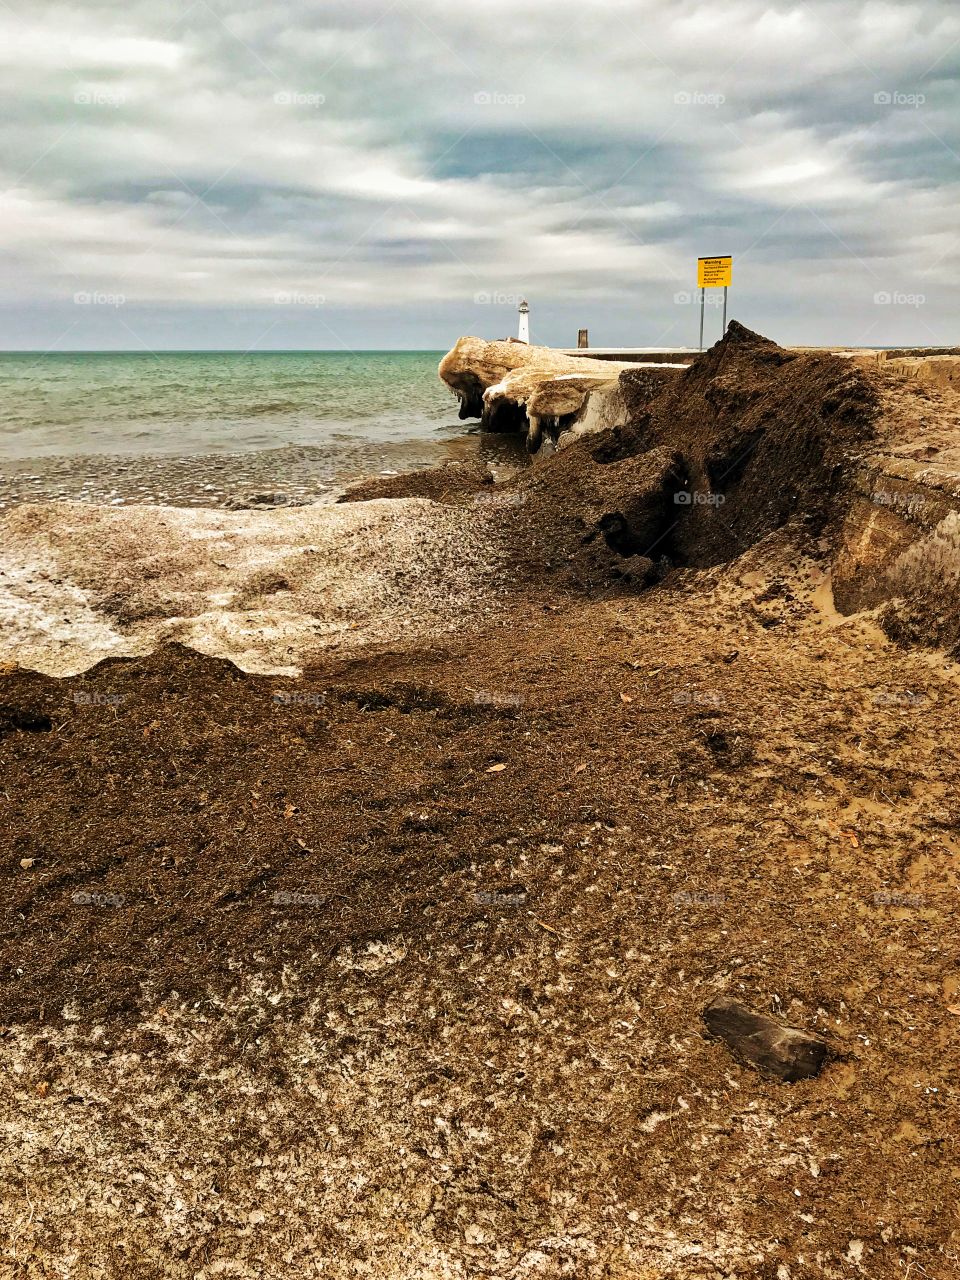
289	475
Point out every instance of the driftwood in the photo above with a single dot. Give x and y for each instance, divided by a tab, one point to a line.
776	1050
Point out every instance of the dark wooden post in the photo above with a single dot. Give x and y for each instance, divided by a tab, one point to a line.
582	339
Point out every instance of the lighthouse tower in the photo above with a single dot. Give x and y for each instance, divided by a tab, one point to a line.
524	333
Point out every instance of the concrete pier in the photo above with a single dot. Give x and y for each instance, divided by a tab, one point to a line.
634	355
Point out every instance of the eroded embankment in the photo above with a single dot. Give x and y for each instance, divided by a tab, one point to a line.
899	549
857	454
746	441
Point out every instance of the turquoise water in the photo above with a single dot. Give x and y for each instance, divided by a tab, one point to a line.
213	402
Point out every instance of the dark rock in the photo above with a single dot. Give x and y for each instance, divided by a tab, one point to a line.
25	719
777	1051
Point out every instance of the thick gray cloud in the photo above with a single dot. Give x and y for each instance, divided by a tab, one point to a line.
394	174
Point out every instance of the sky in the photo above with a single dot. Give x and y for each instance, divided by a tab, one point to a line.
358	175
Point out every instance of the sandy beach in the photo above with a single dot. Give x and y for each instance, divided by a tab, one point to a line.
383	948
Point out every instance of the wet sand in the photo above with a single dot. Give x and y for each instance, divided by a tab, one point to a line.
295	475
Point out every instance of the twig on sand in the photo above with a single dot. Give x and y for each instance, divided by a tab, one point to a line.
544	926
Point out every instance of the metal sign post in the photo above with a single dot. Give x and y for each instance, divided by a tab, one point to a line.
714	273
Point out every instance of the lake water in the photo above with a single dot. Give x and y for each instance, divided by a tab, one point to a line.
222	402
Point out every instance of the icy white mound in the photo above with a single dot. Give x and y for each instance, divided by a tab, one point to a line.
538	391
79	583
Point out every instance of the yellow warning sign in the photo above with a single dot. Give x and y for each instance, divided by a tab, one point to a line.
714	273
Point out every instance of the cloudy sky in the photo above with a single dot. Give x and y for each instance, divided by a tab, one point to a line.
355	175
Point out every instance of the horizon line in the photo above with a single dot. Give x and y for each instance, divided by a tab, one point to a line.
214	351
340	351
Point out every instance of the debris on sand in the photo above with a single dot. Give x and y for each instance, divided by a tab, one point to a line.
382	858
79	583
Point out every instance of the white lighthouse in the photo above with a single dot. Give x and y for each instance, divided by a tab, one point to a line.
524	332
